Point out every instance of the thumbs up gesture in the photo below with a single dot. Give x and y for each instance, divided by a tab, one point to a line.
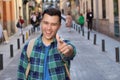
63	47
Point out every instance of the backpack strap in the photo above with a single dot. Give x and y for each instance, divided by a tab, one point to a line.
29	50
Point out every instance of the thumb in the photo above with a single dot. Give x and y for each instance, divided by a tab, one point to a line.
58	39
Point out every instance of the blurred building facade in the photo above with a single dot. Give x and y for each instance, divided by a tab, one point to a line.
10	10
106	14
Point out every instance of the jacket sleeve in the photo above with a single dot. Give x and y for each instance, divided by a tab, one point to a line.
23	62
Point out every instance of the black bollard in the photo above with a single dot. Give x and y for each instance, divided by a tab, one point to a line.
82	32
31	30
94	39
11	50
103	45
79	30
72	25
88	35
76	27
23	38
117	54
18	43
1	61
29	33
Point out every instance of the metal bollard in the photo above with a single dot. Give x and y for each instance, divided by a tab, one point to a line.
117	54
82	32
79	29
18	43
88	35
94	39
103	45
23	38
29	33
1	61
11	50
76	27
72	25
31	30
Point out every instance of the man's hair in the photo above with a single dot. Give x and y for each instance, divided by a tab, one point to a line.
52	12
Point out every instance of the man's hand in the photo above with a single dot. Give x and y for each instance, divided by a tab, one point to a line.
63	47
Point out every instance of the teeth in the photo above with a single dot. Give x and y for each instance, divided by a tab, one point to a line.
48	32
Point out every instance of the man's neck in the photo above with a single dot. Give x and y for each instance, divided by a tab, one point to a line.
46	41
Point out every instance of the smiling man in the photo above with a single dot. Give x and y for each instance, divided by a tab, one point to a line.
49	51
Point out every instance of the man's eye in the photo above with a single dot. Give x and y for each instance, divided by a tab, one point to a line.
46	22
54	24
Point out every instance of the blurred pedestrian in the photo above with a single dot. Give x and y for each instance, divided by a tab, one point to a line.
69	21
89	19
38	16
81	21
33	20
49	52
20	25
1	30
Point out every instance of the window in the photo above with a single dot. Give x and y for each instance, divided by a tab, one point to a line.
104	8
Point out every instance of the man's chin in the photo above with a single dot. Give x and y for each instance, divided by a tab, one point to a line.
49	38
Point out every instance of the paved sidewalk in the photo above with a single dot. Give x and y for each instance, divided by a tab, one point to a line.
10	64
90	63
5	47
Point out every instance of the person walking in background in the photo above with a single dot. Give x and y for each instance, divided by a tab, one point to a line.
33	20
38	17
20	25
89	19
69	21
1	30
49	52
21	22
81	21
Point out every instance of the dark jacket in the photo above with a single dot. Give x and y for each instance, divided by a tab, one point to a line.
89	16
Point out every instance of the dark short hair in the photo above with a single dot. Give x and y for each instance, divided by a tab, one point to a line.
52	12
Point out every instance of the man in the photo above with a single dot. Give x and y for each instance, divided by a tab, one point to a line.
69	21
89	17
48	52
20	25
81	21
34	20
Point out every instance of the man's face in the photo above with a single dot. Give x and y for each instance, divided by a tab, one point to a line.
50	26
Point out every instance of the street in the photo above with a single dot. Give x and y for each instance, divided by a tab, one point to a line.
90	62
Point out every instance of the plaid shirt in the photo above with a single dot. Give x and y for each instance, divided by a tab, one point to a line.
55	64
